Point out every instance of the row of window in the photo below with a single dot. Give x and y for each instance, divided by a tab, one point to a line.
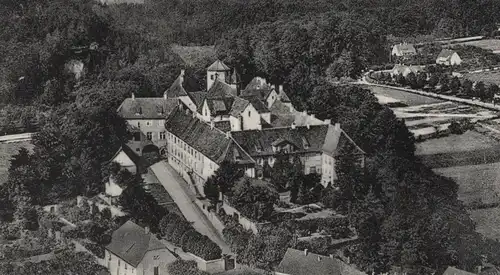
160	123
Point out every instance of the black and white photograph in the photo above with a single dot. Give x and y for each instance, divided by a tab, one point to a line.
249	137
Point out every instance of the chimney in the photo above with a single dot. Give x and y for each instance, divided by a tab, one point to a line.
212	124
308	126
133	96
305	251
146	230
293	125
281	88
327	121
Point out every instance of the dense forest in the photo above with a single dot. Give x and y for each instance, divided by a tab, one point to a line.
405	214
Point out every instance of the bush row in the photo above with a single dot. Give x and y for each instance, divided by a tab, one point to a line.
180	232
181	267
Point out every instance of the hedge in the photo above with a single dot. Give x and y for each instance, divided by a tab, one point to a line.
181	232
96	249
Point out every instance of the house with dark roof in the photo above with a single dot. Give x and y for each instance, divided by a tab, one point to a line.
298	262
182	88
317	147
403	49
196	148
135	250
448	57
145	117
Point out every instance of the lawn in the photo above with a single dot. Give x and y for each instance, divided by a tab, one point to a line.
487	44
469	141
408	98
487	222
476	182
487	77
6	151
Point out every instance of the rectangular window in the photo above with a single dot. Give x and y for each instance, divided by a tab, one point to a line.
162	135
139	124
148	123
160	123
155	271
312	170
149	135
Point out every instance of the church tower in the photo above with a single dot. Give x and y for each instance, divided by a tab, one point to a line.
218	70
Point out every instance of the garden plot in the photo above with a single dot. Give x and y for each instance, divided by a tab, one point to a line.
486	77
487	44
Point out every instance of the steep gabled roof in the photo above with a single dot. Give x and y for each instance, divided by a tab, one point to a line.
405	48
146	107
197	98
257	104
239	105
130	243
262	94
220	89
212	143
258	83
296	262
218	66
446	53
182	86
136	159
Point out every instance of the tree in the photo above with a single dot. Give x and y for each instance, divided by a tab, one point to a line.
181	267
281	172
467	88
141	205
225	177
254	200
455	85
211	190
492	91
411	79
433	80
480	90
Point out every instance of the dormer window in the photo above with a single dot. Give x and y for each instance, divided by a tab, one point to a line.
305	143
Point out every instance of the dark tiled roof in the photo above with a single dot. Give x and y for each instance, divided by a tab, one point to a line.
198	98
455	271
257	104
220	106
130	243
218	66
239	106
257	83
220	89
296	262
279	107
224	126
259	142
212	143
262	94
146	107
182	86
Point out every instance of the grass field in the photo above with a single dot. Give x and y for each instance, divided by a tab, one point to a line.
487	44
476	182
6	151
486	77
469	141
408	98
487	222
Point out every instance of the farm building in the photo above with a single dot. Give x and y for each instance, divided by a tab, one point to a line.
406	70
448	57
403	50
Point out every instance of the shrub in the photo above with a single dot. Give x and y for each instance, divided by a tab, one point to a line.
202	246
106	213
96	249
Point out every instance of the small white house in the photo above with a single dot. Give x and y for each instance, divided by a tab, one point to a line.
403	50
128	160
448	58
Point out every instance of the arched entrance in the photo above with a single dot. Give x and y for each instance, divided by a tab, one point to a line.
150	154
